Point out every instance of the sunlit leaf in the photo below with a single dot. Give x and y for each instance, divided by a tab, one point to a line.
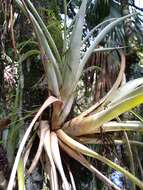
87	125
88	152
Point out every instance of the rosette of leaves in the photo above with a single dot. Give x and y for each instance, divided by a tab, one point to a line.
63	72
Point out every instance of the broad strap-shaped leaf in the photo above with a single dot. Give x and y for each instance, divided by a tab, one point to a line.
81	159
42	131
49	62
114	126
51	66
20	175
73	54
98	39
43	26
88	125
53	171
94	140
88	152
48	102
46	32
57	159
134	92
126	89
72	62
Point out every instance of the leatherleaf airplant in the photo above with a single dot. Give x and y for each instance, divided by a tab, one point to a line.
63	73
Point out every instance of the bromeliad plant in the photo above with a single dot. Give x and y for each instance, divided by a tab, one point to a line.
63	73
